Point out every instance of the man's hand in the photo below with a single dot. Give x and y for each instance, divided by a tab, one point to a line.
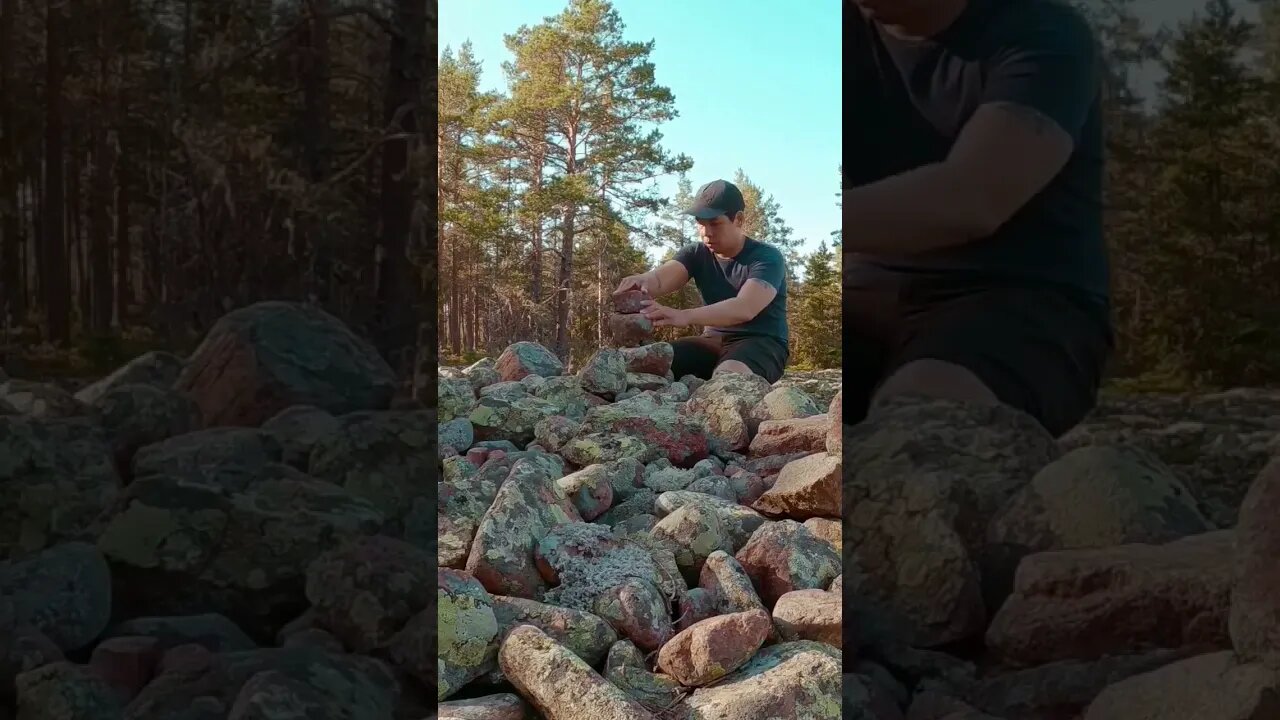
662	316
644	281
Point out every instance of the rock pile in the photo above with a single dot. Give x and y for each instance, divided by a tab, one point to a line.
619	543
245	533
627	326
994	572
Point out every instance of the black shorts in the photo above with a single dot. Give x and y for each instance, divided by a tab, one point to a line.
1040	349
699	355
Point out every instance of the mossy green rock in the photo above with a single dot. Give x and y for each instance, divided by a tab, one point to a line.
467	627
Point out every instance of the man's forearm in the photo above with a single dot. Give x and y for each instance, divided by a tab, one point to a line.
724	313
923	209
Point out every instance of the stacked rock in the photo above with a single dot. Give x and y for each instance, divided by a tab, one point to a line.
627	326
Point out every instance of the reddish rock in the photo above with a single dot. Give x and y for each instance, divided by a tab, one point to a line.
784	556
809	615
126	663
835	418
652	359
477	455
695	606
784	437
259	360
630	330
638	611
524	358
1089	603
715	647
1255	601
806	488
191	658
630	301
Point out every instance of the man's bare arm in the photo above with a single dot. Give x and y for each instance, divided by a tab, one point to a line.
667	278
1004	156
754	297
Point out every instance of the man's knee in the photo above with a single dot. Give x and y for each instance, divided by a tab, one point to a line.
733	366
935	379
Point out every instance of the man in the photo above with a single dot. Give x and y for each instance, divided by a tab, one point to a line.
975	265
743	287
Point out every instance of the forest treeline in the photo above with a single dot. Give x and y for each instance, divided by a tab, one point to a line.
547	199
164	161
1193	184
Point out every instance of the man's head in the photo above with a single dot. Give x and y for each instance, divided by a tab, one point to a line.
915	17
718	208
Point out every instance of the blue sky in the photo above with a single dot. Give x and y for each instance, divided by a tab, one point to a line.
756	87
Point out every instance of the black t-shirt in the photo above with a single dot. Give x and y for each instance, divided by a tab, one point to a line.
911	98
720	279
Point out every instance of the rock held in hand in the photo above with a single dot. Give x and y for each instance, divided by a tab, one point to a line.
630	301
630	330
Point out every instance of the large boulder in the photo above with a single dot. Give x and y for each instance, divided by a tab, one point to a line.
261	359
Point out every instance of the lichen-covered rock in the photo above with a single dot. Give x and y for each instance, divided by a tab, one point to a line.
177	547
64	592
791	680
725	402
589	490
605	373
1087	603
682	439
715	647
653	359
466	625
296	430
738	521
261	359
782	403
503	706
560	684
41	400
57	480
304	677
1131	496
226	457
365	590
456	435
482	373
155	368
1213	686
806	488
584	634
797	435
528	505
630	301
553	432
65	691
455	398
134	415
596	448
693	531
525	358
215	632
784	556
514	420
724	578
921	480
1254	618
809	615
384	458
630	330
835	432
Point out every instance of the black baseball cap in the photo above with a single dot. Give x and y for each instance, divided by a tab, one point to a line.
716	198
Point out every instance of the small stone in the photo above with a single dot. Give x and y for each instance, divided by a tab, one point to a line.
630	330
